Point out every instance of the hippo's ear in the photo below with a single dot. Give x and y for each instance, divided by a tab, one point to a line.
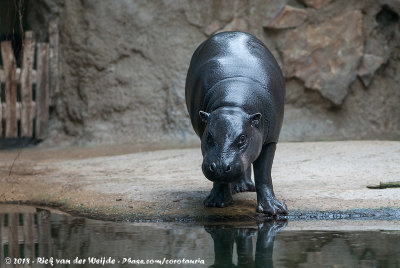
204	116
255	119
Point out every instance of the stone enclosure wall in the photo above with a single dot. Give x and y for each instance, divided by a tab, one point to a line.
124	65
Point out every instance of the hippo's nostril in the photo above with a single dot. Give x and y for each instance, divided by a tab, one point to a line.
213	167
228	168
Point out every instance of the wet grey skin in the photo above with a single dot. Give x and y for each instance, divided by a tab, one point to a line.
234	95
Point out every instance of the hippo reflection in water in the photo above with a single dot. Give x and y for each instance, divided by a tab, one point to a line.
225	237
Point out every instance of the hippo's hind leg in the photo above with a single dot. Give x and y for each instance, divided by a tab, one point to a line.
267	202
220	195
245	184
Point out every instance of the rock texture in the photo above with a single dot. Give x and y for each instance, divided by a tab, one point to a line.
124	66
287	17
369	64
326	56
315	3
236	24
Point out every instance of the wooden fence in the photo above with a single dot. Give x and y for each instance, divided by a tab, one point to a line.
24	235
27	93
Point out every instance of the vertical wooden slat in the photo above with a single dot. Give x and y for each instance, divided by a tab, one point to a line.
13	235
42	89
26	85
28	235
44	234
10	68
1	111
54	61
2	236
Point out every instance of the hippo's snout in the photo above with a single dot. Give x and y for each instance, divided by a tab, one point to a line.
220	171
213	167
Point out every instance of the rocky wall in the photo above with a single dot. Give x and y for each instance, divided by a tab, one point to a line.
124	65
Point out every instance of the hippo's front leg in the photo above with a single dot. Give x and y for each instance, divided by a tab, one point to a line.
267	202
220	195
245	184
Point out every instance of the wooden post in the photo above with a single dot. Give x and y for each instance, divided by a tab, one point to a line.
54	61
10	71
42	90
26	86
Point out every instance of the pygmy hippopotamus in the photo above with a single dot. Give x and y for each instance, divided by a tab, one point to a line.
235	96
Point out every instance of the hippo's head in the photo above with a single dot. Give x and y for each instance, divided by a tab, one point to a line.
231	141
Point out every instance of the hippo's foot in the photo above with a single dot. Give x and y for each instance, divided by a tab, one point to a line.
243	186
271	206
272	227
244	233
214	200
220	196
267	232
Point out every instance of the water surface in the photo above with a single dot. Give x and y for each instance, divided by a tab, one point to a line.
38	235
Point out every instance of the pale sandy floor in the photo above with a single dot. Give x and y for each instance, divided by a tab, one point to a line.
113	181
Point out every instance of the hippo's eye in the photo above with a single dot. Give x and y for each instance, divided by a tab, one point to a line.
242	140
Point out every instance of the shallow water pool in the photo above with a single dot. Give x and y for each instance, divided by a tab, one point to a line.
37	237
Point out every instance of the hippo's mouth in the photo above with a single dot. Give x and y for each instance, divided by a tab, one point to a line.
225	179
221	177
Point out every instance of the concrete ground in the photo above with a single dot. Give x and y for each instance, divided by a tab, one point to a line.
120	182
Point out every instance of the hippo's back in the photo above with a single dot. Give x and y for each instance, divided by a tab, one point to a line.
228	55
